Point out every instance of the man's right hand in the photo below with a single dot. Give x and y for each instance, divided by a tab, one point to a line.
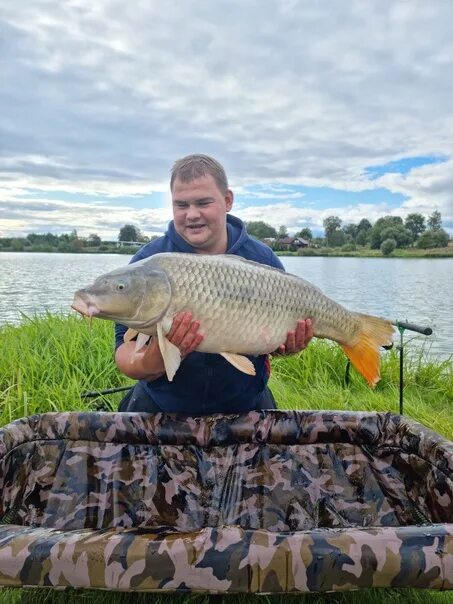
184	333
147	363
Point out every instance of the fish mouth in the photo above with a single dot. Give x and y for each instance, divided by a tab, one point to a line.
86	309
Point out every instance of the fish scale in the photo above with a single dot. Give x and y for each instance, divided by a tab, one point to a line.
236	300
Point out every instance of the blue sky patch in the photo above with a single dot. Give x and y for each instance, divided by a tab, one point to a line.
319	198
403	165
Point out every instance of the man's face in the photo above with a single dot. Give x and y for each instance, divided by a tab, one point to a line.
199	213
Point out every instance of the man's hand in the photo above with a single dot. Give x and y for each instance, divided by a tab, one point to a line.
298	339
147	363
184	333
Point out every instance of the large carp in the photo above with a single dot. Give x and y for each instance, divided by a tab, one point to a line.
243	308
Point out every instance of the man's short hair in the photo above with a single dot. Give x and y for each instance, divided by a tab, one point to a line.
191	167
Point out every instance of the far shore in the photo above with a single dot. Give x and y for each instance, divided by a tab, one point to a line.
444	252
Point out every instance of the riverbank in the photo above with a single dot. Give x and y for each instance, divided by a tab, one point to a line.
47	363
441	252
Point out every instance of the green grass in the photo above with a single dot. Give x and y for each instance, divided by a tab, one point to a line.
372	596
46	364
316	380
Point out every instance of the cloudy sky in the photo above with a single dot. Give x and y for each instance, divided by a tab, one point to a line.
314	108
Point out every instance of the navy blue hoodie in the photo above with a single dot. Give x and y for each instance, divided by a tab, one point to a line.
207	383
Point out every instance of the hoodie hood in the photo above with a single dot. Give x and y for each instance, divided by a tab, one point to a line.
236	232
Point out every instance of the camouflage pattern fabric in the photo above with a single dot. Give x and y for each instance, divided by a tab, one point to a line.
269	501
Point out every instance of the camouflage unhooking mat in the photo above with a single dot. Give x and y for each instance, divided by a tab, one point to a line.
271	501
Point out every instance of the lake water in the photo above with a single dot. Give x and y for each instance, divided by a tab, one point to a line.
417	290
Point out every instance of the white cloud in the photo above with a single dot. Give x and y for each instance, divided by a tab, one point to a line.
100	98
40	215
428	188
296	218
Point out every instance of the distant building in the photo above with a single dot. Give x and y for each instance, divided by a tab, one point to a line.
290	243
129	243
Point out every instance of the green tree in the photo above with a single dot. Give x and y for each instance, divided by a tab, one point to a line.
64	246
282	232
350	230
76	244
17	245
305	233
364	225
435	221
379	226
94	240
129	232
337	239
332	225
388	246
48	239
416	224
361	238
260	229
401	235
363	232
433	238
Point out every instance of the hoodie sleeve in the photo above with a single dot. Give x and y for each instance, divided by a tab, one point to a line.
275	262
120	330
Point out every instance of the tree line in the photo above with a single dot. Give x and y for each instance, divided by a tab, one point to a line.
386	234
72	242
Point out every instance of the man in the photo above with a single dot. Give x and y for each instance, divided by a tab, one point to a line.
204	383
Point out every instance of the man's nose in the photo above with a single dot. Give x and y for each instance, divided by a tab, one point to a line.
193	213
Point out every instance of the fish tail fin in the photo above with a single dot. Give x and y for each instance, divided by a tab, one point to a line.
363	353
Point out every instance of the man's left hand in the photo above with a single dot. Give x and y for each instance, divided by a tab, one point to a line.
298	339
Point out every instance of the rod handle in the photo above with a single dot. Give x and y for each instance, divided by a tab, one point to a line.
94	393
426	331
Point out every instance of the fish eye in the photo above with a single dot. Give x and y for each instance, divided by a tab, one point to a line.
120	285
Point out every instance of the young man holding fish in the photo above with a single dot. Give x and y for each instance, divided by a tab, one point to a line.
204	383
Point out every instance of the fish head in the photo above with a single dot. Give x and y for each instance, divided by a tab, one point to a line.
136	296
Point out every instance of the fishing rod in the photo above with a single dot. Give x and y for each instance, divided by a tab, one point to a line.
94	393
402	326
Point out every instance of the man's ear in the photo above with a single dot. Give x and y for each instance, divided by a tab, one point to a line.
229	197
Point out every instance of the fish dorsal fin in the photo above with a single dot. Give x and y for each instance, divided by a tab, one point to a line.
239	259
142	340
240	362
170	353
130	334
